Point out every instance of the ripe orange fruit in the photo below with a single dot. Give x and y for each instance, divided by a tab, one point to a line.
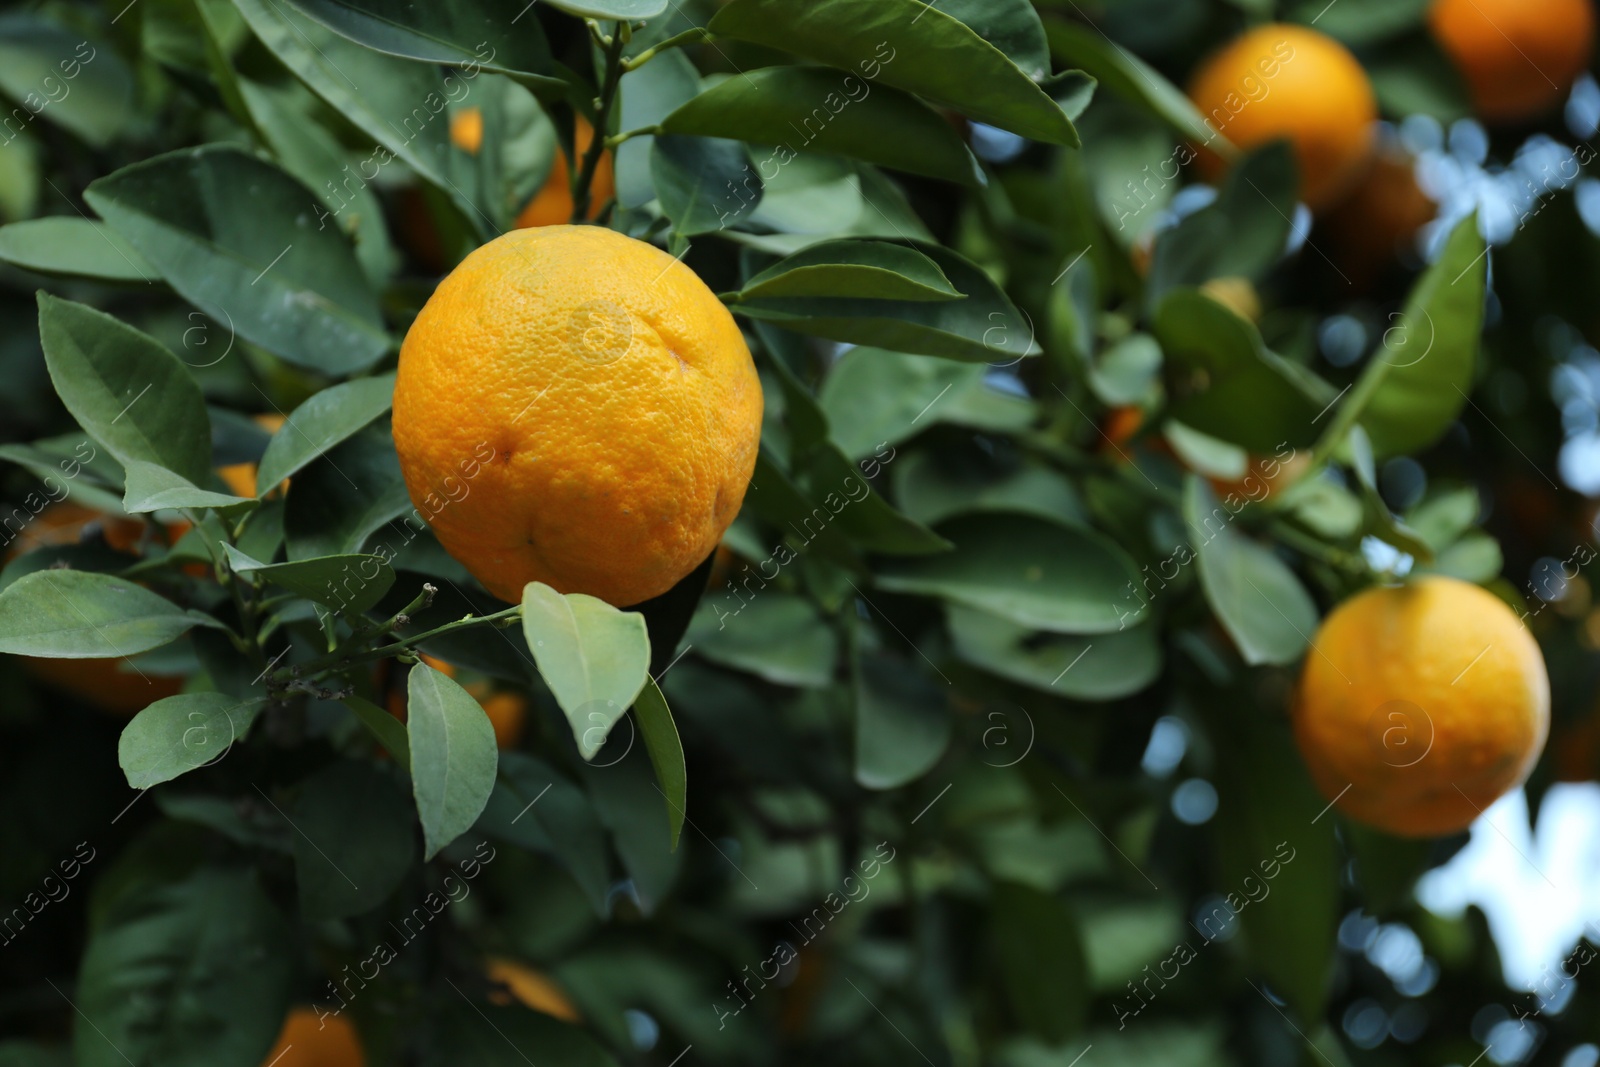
1288	82
466	129
1420	705
241	477
507	711
1265	477
1370	228
575	407
1519	57
307	1041
552	204
533	988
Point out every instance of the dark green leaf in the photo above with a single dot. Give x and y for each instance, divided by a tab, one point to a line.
778	636
626	10
537	808
1105	666
353	839
390	731
125	389
73	247
1041	961
486	1035
1043	575
453	756
68	614
193	973
177	734
841	496
338	502
705	184
666	754
328	418
594	657
58	74
931	491
1218	367
242	241
985	327
816	110
852	269
903	722
350	584
460	33
1131	78
920	48
1257	598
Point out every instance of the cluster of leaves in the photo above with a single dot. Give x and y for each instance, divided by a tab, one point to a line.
952	617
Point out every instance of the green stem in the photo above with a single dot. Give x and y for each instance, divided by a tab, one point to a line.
344	659
1345	417
642	131
581	186
693	35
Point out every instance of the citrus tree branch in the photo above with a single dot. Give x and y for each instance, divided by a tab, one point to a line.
582	184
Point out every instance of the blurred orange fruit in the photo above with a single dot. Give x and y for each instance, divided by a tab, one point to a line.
1420	705
466	130
507	711
552	205
1375	224
1289	82
1518	57
1236	294
307	1041
532	988
1265	477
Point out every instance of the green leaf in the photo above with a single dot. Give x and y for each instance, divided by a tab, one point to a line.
1417	382
60	75
1125	74
1041	960
241	240
126	390
152	487
191	973
626	10
1012	26
594	657
840	496
1360	22
852	269
917	47
648	95
1105	666
808	109
1277	862
1242	234
486	1035
66	614
74	248
328	418
353	840
1044	575
1218	367
459	33
453	756
177	734
985	327
778	636
390	731
932	490
312	154
903	722
705	184
350	584
1257	598
875	398
666	754
536	808
339	501
402	105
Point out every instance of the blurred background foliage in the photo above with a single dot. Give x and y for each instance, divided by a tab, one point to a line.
1060	832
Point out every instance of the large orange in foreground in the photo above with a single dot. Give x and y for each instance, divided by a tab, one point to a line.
1288	82
1519	57
576	407
1420	705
